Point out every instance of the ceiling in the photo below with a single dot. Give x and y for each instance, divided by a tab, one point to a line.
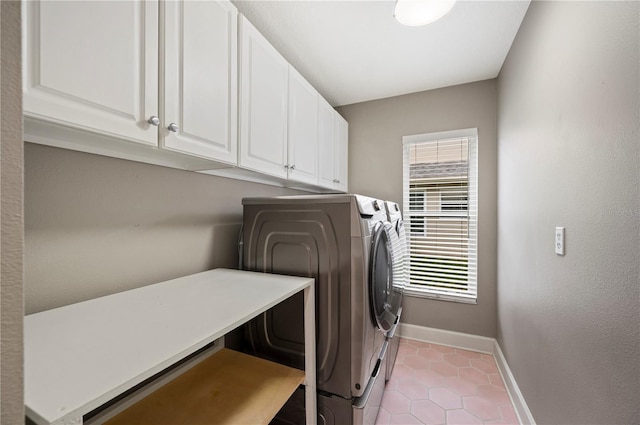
354	51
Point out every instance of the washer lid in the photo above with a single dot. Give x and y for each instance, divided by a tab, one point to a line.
382	293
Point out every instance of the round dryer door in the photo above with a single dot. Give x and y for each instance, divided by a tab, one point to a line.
381	290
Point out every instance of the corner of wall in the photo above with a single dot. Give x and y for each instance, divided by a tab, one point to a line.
11	216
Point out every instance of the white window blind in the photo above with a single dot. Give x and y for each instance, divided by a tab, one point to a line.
440	210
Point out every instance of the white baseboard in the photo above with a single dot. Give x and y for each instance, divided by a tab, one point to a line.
450	338
519	404
478	343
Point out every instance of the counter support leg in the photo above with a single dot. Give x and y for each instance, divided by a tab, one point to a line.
310	355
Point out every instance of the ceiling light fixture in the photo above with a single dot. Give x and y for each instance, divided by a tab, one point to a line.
414	13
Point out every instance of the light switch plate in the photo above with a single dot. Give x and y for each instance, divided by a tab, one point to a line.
559	240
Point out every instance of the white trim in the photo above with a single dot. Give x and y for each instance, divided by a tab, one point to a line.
311	406
482	344
478	343
522	410
451	134
419	291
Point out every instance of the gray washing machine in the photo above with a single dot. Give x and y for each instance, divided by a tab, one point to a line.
399	254
345	243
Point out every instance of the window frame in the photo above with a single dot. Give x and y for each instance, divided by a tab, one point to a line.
470	294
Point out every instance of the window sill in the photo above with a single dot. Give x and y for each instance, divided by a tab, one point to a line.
423	293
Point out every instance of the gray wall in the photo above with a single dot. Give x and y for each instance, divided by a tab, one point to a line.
11	217
96	225
375	169
569	156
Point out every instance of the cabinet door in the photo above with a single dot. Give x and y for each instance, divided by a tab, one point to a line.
326	145
303	129
341	128
200	81
93	65
263	104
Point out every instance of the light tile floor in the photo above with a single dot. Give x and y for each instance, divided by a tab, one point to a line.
434	384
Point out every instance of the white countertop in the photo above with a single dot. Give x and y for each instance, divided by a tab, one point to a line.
80	356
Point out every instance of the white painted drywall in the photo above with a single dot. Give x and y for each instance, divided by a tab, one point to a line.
569	156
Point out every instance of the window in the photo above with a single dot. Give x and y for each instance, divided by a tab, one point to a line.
454	199
417	224
440	205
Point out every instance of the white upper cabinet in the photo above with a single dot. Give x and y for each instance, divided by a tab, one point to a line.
333	149
263	104
326	145
185	84
341	138
93	65
107	72
200	81
303	129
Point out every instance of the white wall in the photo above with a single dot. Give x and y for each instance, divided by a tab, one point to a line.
375	169
568	144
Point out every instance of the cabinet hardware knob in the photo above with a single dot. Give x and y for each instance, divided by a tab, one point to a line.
173	127
153	120
293	167
286	167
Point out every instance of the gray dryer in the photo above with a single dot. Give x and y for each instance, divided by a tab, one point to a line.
345	243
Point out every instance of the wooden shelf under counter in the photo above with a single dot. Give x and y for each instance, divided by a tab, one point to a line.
227	388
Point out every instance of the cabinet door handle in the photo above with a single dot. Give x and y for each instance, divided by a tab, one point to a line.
293	167
286	167
173	127
153	120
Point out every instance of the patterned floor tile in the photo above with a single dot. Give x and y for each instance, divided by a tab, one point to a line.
434	384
